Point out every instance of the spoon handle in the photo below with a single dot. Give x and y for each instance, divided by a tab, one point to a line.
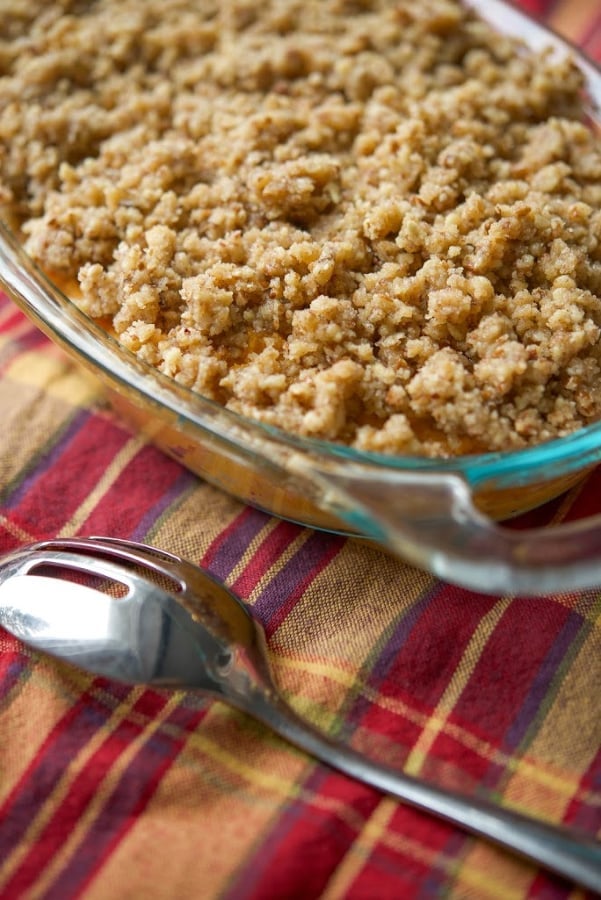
576	857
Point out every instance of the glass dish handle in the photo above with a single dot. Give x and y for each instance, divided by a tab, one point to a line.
429	519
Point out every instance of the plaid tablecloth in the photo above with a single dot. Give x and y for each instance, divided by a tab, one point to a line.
110	792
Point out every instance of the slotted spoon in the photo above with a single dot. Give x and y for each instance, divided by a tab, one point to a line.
175	626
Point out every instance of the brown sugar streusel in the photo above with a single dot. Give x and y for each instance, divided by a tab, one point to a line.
377	223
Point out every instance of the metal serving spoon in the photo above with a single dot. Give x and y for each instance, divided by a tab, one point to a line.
173	625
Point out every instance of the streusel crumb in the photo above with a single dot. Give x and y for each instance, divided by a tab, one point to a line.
372	222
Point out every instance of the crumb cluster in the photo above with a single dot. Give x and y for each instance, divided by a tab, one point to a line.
367	221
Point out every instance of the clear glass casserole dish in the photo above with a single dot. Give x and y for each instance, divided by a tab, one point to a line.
437	514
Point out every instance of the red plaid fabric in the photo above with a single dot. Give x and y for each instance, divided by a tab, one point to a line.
114	793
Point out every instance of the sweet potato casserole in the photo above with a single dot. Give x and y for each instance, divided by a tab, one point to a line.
375	222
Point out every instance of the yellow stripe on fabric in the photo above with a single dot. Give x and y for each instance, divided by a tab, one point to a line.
235	763
538	770
16	531
209	809
490	874
539	767
231	814
263	775
533	777
534	785
33	709
238	796
461	676
184	532
192	527
110	475
73	767
318	668
317	689
350	866
542	767
101	796
58	378
269	571
283	558
268	764
310	686
579	604
30	421
377	830
347	613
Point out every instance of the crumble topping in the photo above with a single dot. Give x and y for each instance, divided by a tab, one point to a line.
375	222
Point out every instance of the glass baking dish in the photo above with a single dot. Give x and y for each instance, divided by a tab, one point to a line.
440	515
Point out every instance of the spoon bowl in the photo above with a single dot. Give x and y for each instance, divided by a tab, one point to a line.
133	613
